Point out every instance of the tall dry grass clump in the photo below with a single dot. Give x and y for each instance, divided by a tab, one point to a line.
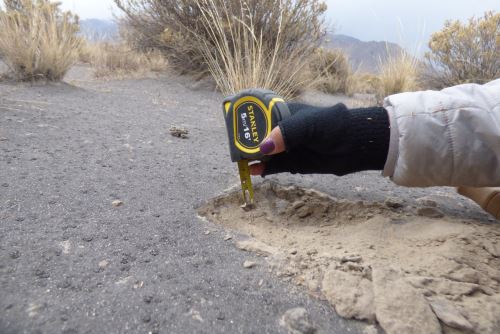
37	39
465	52
118	60
398	73
241	43
331	71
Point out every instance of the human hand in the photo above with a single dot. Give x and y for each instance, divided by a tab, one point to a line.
333	140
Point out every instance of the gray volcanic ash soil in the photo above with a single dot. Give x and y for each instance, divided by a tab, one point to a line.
98	216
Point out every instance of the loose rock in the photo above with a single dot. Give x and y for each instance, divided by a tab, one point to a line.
179	132
117	203
296	321
448	314
249	264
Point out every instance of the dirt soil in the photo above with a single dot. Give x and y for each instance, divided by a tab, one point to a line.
374	261
99	227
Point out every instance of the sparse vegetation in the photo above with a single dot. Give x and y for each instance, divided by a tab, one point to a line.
465	52
331	71
118	59
242	44
398	73
37	39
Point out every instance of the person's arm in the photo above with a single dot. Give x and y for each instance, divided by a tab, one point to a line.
437	138
445	138
333	140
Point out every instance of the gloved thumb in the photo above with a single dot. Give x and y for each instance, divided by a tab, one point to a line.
274	143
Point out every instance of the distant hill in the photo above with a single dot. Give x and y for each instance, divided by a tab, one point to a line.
363	55
95	29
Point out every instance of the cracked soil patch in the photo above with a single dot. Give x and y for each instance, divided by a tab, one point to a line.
409	273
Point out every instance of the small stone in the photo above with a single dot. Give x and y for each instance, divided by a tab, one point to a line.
154	252
393	202
293	251
206	232
227	237
147	299
429	212
297	321
426	201
88	238
41	273
179	132
249	264
116	203
146	318
447	313
15	254
103	264
221	316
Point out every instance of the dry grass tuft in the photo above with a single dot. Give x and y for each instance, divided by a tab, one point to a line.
398	73
38	40
241	43
118	59
331	71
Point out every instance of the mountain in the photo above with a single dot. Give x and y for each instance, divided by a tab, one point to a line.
96	30
364	56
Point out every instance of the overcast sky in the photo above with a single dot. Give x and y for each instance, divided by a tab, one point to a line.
407	22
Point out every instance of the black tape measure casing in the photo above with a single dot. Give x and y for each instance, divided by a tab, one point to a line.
250	116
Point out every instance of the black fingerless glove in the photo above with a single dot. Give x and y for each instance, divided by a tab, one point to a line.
333	140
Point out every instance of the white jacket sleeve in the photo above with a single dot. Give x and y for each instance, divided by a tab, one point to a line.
445	138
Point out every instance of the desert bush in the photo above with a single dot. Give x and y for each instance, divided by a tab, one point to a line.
398	73
118	59
241	43
37	39
331	71
364	83
465	52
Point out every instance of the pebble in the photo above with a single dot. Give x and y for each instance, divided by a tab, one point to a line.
393	202
103	264
429	212
88	238
227	237
15	254
249	264
293	251
297	321
117	203
154	252
147	299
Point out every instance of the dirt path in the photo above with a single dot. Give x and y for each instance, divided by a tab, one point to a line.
72	262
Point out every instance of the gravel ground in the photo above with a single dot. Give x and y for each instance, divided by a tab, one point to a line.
71	262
